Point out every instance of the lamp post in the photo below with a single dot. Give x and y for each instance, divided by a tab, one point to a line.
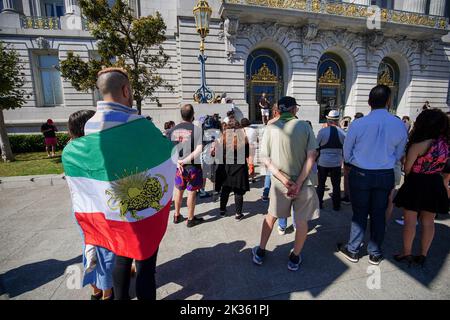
202	14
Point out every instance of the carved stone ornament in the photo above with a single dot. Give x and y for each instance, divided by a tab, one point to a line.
228	34
43	43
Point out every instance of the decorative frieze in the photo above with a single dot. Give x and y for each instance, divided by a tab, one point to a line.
357	10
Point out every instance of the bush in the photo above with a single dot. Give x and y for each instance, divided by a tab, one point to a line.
21	143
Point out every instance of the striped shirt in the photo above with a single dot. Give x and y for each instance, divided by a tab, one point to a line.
109	115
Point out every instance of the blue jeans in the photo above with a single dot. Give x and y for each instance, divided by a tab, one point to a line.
369	192
282	223
267	185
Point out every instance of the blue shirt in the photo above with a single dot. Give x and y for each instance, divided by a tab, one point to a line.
330	158
375	142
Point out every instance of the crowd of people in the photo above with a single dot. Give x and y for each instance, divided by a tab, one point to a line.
370	153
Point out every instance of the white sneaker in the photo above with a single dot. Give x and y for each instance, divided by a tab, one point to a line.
281	231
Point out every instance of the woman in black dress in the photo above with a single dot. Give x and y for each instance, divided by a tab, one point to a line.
232	174
424	193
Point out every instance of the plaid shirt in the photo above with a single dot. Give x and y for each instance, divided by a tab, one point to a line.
109	115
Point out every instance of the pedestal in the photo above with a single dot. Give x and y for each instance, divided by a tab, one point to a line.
9	19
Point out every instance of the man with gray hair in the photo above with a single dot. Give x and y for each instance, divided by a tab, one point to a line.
331	142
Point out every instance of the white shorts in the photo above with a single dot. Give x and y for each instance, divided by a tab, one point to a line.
265	112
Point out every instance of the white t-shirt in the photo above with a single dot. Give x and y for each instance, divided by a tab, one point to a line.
252	136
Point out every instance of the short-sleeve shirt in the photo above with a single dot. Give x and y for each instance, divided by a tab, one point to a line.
264	102
186	136
51	133
287	145
330	158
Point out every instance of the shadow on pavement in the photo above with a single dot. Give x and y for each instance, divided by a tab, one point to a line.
226	271
32	276
437	255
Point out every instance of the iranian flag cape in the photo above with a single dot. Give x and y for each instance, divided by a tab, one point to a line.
121	183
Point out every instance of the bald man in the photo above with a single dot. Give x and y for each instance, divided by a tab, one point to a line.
116	107
114	110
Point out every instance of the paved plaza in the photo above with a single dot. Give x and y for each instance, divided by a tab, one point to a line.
39	241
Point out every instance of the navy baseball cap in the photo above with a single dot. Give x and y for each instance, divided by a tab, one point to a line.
285	104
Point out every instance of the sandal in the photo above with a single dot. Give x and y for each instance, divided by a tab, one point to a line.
97	296
178	219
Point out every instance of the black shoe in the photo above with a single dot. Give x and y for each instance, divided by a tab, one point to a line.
195	221
203	194
223	213
345	200
376	260
420	260
352	257
403	258
239	216
178	219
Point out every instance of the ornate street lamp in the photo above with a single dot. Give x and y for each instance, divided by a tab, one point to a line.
202	14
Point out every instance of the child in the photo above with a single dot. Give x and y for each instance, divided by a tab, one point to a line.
98	262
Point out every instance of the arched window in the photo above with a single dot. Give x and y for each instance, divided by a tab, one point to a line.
389	75
264	74
330	84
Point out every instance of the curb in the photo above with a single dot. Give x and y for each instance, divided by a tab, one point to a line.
32	181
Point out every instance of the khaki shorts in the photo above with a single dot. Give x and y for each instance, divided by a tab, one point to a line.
305	206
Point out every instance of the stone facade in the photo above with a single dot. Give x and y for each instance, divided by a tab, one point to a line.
299	35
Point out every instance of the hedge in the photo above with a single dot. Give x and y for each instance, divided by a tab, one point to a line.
21	143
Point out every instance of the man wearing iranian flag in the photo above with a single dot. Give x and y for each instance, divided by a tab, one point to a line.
120	177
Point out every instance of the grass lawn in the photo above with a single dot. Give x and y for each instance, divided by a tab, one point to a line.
34	163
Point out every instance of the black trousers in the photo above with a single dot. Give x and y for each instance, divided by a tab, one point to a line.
145	278
335	174
238	198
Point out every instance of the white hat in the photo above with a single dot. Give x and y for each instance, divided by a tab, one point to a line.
333	115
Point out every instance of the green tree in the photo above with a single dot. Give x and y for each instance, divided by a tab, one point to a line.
134	43
12	95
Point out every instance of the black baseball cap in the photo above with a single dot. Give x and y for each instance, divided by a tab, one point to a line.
285	104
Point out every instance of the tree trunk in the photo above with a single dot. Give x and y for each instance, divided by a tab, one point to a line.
139	106
5	147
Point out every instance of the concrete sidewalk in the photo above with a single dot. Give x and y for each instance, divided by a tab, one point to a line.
211	261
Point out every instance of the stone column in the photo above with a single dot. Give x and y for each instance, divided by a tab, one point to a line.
398	5
8	6
72	7
418	6
72	18
437	8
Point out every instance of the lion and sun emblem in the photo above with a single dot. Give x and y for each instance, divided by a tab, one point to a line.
136	192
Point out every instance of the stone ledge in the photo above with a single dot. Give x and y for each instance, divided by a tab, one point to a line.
31	181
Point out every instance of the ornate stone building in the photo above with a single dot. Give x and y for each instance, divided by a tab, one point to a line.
328	54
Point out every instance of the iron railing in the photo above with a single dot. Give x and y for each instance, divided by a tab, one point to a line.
36	22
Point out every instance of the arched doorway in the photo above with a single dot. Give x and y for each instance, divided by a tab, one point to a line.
331	73
389	75
264	74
